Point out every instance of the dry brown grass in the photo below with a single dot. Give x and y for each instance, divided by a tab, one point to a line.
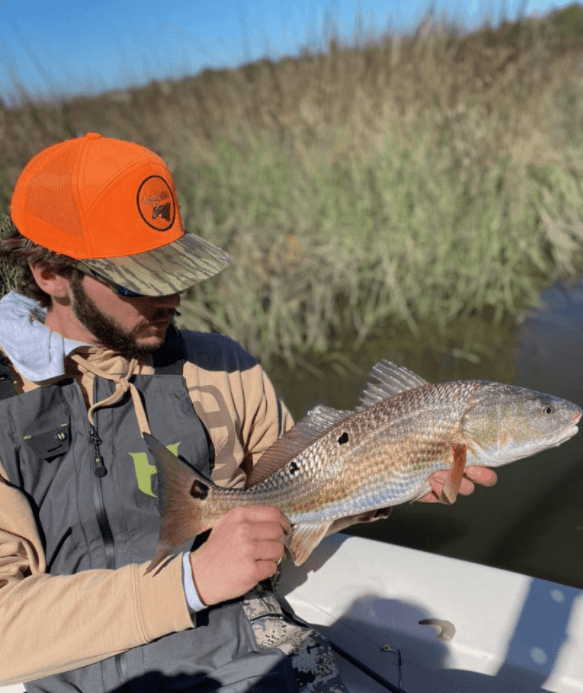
486	92
329	177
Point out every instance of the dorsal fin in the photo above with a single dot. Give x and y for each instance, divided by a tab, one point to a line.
296	440
386	379
321	418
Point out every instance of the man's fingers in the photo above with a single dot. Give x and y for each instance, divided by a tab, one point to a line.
472	475
482	475
479	475
466	487
268	551
268	531
243	548
266	569
260	514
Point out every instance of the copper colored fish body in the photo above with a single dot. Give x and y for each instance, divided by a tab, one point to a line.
335	464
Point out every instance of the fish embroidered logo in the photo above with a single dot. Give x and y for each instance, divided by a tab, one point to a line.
156	203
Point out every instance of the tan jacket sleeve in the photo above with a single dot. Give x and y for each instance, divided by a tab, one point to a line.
268	418
53	623
240	409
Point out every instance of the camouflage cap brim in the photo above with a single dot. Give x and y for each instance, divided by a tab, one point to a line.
166	270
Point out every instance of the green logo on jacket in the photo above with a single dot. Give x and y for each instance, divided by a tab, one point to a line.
145	470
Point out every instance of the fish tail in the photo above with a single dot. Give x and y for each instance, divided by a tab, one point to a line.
183	496
182	519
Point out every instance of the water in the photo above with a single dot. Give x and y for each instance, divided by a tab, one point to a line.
532	521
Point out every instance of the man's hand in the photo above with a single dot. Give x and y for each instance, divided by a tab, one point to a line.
473	475
243	548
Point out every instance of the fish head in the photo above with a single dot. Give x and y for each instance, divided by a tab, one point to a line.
506	423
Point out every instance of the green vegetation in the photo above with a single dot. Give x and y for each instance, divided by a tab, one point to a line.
405	181
9	276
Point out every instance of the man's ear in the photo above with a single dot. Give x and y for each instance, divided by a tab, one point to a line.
53	284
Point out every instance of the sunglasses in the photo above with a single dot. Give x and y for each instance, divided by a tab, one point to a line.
116	288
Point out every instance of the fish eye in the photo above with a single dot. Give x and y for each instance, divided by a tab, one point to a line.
548	410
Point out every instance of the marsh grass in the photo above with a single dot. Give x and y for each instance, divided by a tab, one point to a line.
404	181
9	276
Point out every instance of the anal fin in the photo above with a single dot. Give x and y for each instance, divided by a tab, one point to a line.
456	473
304	539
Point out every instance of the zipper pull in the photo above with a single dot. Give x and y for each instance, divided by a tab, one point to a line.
93	437
100	471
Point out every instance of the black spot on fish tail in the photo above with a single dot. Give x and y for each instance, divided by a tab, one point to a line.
182	491
343	438
199	490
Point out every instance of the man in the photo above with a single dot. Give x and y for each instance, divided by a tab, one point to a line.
91	361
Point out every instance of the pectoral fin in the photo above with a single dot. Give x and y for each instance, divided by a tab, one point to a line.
304	539
456	473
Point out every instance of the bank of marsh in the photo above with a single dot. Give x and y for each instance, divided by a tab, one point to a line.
407	180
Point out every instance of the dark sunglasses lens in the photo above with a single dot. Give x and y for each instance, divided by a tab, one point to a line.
120	290
128	293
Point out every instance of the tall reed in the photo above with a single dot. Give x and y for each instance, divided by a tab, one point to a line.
408	180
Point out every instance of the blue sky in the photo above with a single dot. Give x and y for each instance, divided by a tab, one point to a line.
64	47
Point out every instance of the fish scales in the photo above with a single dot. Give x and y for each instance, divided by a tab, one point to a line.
335	465
403	438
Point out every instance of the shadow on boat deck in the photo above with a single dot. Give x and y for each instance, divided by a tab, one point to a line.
530	647
540	634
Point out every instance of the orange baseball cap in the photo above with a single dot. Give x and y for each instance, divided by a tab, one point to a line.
112	205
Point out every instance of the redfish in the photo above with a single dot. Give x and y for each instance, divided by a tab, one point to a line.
337	464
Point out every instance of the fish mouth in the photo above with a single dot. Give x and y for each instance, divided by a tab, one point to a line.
565	435
570	431
489	459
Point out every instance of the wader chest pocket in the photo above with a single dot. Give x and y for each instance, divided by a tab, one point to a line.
51	443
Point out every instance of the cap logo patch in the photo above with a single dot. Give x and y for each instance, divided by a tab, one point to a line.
156	203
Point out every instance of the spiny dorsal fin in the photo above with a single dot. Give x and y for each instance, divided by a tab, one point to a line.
321	418
387	380
296	440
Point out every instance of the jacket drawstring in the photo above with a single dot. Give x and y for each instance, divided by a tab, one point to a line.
122	385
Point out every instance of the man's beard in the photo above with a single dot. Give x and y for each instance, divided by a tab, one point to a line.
105	329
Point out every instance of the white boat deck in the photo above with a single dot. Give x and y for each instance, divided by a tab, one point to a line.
514	634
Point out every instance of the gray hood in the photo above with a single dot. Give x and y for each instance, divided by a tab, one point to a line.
36	352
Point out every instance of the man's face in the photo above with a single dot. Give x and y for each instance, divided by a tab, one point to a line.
132	326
